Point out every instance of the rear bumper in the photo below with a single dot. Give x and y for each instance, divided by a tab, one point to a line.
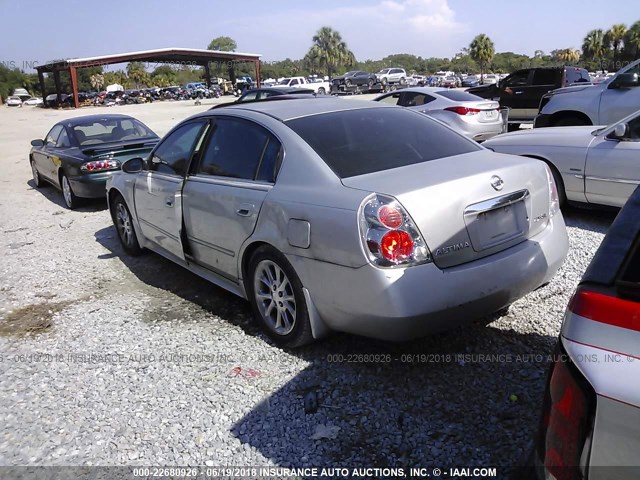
90	185
406	303
542	120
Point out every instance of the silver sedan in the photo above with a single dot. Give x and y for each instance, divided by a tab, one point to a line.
468	114
327	215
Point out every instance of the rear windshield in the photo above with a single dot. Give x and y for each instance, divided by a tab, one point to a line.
458	96
356	142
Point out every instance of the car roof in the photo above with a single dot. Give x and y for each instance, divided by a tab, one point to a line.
430	90
299	107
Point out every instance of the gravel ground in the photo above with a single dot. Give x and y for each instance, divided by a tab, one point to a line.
111	360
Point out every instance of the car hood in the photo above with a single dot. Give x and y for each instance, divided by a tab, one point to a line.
560	136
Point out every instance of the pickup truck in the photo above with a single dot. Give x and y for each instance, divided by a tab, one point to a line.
320	87
522	91
600	104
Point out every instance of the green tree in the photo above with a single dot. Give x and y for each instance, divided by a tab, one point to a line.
137	74
614	37
97	81
330	50
482	50
223	44
593	47
632	42
568	55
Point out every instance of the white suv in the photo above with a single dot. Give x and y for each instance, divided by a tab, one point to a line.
392	75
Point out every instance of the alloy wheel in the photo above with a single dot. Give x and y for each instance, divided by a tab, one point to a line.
274	297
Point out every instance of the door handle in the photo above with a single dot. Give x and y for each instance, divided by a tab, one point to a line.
246	209
168	201
519	93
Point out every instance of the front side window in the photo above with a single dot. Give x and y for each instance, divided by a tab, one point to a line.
414	99
517	79
52	136
545	76
238	149
173	155
392	99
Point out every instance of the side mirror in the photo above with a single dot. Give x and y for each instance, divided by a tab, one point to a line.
620	131
37	143
133	165
625	80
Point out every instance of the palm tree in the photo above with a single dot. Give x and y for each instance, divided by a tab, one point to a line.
329	49
97	81
593	45
615	37
481	49
632	41
568	55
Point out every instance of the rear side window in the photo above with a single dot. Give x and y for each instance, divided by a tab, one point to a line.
357	142
545	76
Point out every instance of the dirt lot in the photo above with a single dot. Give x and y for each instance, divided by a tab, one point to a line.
111	360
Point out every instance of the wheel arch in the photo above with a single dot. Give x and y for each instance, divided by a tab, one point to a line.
556	117
554	169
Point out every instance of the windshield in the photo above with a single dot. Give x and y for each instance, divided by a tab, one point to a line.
384	70
284	81
361	141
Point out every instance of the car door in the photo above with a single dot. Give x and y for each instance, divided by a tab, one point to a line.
617	103
223	197
42	156
514	92
542	81
613	167
157	191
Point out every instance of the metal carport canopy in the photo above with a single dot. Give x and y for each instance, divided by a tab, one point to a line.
180	56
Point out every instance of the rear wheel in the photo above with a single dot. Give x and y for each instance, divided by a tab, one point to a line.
347	82
321	91
370	84
121	217
277	299
403	81
70	198
562	195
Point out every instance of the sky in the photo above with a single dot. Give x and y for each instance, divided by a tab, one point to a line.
34	32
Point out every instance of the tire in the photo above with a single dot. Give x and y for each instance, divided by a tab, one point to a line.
384	81
347	82
370	84
321	91
569	122
277	299
121	216
403	81
37	180
70	199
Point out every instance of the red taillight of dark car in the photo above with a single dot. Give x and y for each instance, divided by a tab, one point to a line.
463	110
100	165
567	420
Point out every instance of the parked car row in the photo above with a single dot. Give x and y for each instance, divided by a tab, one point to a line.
329	215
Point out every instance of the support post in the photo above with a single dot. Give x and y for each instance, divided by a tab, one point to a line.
73	73
56	80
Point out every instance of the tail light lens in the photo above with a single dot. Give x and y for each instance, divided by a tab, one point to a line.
567	420
463	110
100	165
606	309
554	200
389	235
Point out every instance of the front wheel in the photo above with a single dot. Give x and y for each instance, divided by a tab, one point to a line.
121	217
277	299
321	91
70	198
403	81
37	181
347	82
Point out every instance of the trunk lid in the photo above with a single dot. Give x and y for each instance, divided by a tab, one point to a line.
119	151
461	216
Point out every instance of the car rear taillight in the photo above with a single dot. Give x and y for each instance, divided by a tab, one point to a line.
606	309
567	420
100	165
389	235
554	200
463	110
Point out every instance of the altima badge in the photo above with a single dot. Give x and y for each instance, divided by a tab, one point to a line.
497	183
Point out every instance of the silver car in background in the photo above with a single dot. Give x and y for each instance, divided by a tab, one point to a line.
468	114
590	425
328	214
